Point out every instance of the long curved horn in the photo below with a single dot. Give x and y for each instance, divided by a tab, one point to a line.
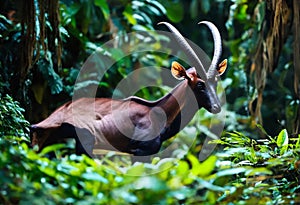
187	50
212	71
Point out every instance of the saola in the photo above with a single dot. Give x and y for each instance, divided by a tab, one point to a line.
134	125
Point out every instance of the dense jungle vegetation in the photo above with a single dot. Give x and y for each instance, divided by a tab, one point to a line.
45	43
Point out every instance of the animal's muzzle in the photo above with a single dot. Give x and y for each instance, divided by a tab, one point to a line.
215	108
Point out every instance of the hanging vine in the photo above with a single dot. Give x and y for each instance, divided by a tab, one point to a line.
36	35
40	51
275	28
296	30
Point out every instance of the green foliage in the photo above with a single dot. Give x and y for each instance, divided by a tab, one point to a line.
245	171
45	67
270	168
140	14
80	180
9	40
12	121
91	24
248	21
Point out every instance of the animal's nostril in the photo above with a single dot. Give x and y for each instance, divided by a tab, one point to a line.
215	108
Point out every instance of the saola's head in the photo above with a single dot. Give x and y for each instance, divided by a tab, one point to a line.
203	83
205	91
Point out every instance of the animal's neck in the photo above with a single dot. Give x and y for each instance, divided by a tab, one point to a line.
180	101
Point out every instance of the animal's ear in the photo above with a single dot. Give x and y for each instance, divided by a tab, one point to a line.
178	71
222	67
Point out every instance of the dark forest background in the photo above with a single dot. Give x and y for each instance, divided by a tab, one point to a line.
45	43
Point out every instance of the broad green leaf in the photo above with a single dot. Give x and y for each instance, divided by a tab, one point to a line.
175	12
183	193
67	169
102	4
157	5
138	169
51	148
165	164
149	182
48	170
211	186
153	10
45	66
298	142
258	171
175	182
128	13
194	163
163	167
182	168
93	176
128	197
230	172
155	160
282	138
207	166
32	155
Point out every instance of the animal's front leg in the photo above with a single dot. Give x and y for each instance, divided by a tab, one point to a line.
85	142
144	148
